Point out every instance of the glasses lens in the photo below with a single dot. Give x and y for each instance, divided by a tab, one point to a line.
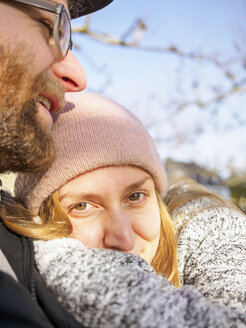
64	33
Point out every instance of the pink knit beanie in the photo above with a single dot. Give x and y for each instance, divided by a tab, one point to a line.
91	132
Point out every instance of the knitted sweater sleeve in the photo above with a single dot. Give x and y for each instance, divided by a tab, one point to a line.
103	288
212	252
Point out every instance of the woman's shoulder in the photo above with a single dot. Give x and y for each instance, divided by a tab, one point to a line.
190	203
203	211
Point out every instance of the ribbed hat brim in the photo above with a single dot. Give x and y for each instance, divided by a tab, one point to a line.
84	7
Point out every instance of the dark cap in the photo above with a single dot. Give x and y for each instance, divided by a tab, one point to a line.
84	7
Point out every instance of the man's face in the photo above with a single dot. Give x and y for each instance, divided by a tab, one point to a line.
25	142
32	85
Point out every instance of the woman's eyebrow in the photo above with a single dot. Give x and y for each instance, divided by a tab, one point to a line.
76	196
137	184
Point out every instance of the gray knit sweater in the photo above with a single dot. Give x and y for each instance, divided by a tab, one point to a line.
104	288
212	251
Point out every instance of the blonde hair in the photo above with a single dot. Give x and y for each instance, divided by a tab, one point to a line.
55	224
165	261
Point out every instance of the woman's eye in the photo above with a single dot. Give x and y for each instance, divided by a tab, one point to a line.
136	196
82	206
82	210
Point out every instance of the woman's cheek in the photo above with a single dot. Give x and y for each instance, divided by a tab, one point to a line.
90	234
147	226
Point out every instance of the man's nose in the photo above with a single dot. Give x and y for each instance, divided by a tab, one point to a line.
70	73
119	233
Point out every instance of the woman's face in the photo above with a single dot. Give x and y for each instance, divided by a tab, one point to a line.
114	207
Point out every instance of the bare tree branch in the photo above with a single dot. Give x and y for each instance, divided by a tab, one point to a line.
232	70
138	28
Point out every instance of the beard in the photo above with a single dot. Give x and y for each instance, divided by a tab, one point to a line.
25	143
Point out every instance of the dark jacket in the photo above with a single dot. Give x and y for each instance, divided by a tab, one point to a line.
27	303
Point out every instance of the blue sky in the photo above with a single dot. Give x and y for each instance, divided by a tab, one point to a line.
145	82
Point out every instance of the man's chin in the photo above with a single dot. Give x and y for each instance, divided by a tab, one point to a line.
25	144
22	164
29	159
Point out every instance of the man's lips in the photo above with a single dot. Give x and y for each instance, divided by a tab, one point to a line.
54	102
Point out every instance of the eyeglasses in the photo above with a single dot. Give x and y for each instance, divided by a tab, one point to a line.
62	27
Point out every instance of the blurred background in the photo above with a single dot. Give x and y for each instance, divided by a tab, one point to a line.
180	66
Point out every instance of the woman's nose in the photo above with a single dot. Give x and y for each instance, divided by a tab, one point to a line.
119	233
70	73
